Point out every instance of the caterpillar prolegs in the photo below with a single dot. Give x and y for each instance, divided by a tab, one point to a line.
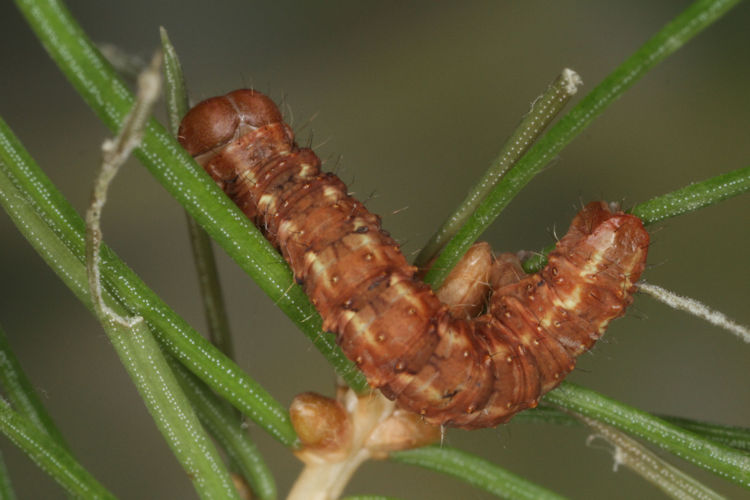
455	371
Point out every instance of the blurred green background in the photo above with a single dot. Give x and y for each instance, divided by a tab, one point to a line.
411	102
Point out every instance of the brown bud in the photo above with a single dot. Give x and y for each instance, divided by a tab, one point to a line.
506	270
403	430
466	288
321	423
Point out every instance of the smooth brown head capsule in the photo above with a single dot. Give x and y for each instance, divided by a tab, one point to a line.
454	371
218	120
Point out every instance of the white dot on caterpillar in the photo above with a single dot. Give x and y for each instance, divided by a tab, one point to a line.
381	338
368	257
305	169
248	176
265	199
400	366
466	354
331	193
288	226
310	257
358	360
334	279
349	315
509	359
412	311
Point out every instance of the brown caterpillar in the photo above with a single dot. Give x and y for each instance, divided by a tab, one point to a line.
468	373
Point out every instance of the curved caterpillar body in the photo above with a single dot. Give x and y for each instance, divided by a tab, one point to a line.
454	371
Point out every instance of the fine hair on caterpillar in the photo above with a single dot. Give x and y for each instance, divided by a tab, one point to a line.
448	364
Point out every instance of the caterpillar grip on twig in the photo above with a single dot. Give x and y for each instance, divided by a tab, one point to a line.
453	370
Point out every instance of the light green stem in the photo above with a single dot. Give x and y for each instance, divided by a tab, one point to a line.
726	462
543	110
200	242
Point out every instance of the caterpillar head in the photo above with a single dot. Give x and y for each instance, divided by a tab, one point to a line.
219	120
